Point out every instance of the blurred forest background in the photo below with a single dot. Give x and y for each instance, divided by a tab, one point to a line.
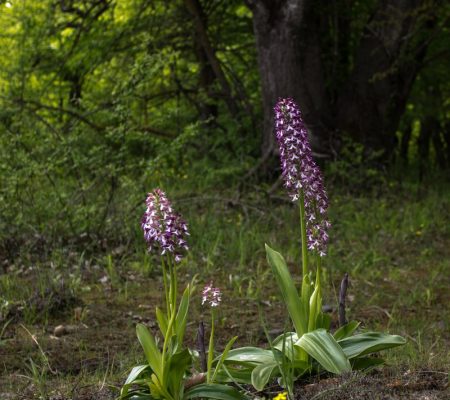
101	100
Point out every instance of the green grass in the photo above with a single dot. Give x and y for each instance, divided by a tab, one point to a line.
394	247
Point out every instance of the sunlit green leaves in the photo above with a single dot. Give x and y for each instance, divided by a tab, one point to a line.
288	290
370	342
321	346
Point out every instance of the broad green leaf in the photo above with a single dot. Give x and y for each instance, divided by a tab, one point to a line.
289	339
305	296
179	365
292	352
151	350
222	358
370	342
324	321
249	356
262	373
346	330
315	308
321	346
135	372
156	388
214	391
239	374
132	377
162	321
182	315
288	290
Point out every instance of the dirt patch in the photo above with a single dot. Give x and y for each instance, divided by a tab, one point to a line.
414	385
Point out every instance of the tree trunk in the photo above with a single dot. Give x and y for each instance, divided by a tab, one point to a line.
289	62
375	95
196	11
369	102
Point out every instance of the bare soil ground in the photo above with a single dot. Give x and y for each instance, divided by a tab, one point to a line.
90	357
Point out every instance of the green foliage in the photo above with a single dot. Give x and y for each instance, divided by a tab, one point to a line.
321	345
288	290
214	391
99	100
355	169
332	352
369	342
292	353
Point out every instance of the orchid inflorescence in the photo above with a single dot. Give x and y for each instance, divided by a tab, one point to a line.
301	174
211	295
163	227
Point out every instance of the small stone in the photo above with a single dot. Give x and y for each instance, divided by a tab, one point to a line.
59	331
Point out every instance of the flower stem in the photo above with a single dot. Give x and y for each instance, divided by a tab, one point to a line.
165	344
210	349
301	203
173	286
166	287
319	270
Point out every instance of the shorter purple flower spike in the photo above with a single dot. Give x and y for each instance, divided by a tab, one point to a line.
301	173
163	228
211	295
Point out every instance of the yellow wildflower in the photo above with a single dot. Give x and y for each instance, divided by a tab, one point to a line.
281	396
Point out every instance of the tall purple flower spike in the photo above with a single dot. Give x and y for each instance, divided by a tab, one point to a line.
163	228
301	173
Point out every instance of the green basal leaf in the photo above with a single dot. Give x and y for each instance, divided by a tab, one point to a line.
239	374
162	321
150	348
346	330
370	342
288	290
132	379
323	321
182	314
305	297
214	391
262	373
315	308
289	339
321	346
293	353
156	389
301	366
135	372
179	364
222	358
249	356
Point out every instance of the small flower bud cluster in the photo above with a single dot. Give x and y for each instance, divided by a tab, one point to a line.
163	228
211	295
301	173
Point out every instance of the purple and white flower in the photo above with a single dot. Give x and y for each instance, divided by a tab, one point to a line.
211	295
301	173
163	227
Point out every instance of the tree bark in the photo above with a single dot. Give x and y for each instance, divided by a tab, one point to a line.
375	94
196	10
370	100
289	62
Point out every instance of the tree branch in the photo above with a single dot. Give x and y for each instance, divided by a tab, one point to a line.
195	9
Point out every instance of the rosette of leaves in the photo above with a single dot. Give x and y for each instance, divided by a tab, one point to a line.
311	348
